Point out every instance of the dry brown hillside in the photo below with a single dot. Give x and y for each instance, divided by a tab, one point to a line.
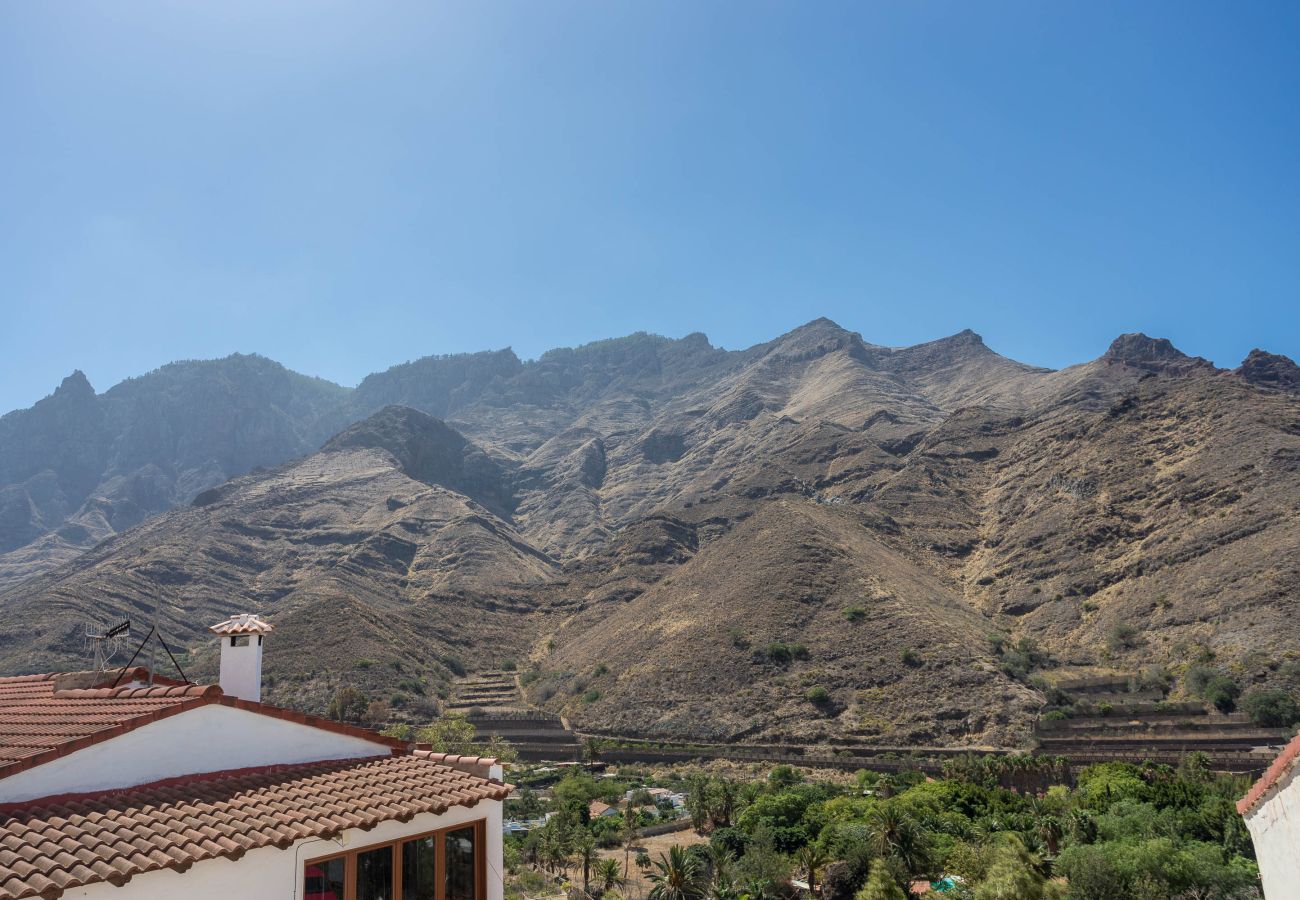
814	539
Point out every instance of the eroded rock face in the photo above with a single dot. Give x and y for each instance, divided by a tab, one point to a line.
671	515
1152	354
1270	370
427	450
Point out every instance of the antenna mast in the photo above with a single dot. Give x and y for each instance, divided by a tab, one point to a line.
105	645
153	647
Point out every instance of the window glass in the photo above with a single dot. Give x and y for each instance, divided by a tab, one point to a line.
323	880
420	869
375	874
459	848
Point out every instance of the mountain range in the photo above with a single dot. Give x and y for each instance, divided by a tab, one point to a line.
813	539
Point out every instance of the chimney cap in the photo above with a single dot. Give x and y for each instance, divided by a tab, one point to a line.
245	623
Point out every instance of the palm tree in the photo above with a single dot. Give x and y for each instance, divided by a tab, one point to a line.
629	834
722	886
1081	825
677	876
587	856
608	875
591	750
1048	827
892	834
812	859
725	795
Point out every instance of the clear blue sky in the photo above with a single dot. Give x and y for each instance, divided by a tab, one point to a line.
343	186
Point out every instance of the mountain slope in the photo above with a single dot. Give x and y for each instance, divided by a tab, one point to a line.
343	549
646	522
78	467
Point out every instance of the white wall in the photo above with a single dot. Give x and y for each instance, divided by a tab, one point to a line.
1275	827
270	873
209	738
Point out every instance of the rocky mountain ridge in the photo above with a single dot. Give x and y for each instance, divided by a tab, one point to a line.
673	539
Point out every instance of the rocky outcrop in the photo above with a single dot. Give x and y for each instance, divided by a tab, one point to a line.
1152	355
427	450
1269	370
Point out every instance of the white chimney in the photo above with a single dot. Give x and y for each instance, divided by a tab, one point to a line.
241	655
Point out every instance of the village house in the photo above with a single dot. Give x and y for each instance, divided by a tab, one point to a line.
1272	812
598	810
127	785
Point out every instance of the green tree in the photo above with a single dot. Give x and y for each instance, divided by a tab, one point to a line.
1271	708
762	871
783	776
894	834
880	886
629	834
608	875
697	799
1092	873
811	859
454	733
724	795
585	848
348	704
1012	875
592	748
1223	692
677	876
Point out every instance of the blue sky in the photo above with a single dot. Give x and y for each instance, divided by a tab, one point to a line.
343	186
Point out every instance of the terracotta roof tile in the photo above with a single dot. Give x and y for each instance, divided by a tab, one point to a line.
40	720
1283	764
248	623
51	845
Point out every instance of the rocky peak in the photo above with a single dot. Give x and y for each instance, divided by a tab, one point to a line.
75	387
1151	354
1271	370
817	338
963	343
933	356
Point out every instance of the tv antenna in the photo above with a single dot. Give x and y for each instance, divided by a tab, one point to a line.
105	645
155	640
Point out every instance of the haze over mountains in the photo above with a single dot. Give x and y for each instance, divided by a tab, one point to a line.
640	520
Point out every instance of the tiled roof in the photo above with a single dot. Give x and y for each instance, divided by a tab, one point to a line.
479	765
40	721
247	623
55	844
1285	761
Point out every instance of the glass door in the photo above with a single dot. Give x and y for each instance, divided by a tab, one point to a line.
461	863
375	874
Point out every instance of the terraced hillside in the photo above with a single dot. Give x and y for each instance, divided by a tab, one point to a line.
1109	720
492	703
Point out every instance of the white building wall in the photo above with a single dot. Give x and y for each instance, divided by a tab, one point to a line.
1275	827
270	873
211	738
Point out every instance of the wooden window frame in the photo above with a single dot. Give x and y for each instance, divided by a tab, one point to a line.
349	858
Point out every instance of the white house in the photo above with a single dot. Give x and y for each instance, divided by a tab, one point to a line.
1272	812
117	789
